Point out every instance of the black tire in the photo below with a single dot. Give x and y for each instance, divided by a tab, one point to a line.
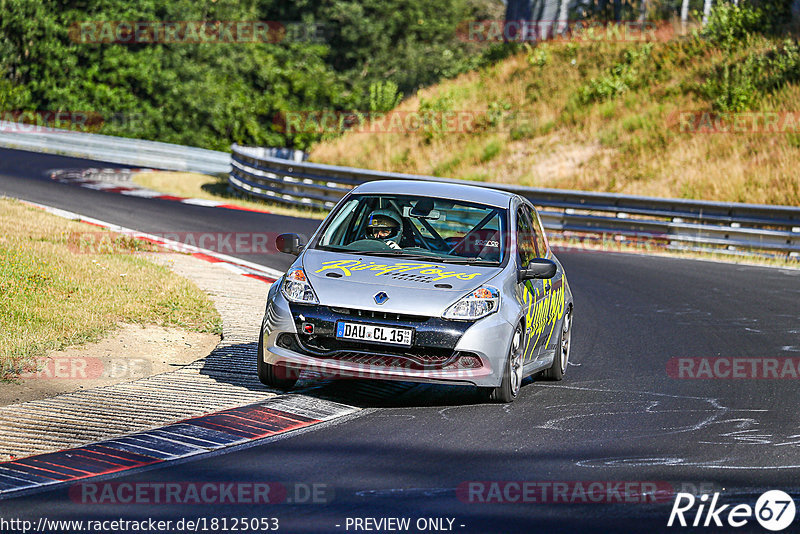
272	375
561	359
509	388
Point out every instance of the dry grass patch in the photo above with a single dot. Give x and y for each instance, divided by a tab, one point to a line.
53	296
593	116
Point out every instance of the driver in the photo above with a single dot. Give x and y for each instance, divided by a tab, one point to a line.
384	225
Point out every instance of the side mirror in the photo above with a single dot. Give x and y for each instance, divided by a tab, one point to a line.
289	244
538	268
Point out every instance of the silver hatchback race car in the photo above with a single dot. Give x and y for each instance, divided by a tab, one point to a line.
423	282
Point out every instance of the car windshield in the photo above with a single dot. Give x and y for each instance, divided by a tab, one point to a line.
407	225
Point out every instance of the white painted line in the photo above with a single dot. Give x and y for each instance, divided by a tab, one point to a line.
144	193
233	268
203	202
96	186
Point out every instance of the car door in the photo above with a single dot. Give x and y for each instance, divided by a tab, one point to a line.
533	293
553	309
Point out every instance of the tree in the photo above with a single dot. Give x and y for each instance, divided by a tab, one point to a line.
706	11
684	15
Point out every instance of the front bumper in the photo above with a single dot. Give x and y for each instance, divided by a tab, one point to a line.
448	352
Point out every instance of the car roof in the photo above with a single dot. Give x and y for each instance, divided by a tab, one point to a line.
453	191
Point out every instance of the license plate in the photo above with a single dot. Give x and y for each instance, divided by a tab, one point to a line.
374	333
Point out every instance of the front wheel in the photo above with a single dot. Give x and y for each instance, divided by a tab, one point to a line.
561	357
512	374
272	375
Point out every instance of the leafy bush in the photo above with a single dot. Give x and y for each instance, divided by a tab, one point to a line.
539	56
730	26
498	112
491	150
629	73
12	97
735	89
738	85
383	96
524	130
432	111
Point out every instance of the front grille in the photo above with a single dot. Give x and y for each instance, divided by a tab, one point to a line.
321	344
418	358
370	314
381	360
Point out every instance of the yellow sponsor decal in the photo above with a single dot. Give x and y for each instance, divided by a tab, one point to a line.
348	266
542	312
557	309
529	299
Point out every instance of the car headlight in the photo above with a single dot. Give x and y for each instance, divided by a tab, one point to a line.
296	288
476	304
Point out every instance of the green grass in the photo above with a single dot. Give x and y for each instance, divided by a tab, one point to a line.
54	294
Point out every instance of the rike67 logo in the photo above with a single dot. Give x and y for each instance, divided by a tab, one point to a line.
774	510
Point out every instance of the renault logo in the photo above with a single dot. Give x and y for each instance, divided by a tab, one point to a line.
381	297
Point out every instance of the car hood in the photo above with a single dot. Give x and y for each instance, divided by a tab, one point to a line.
413	287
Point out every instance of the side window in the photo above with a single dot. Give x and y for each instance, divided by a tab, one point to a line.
541	237
526	241
336	231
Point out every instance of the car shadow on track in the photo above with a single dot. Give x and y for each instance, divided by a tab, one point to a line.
236	364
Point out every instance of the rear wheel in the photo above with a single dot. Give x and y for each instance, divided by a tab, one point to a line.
561	357
273	375
512	374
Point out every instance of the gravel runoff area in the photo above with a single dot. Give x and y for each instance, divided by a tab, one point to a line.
226	378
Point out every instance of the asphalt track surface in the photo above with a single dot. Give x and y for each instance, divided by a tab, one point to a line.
617	416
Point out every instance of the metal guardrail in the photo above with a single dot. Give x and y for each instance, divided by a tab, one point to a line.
680	223
122	150
283	175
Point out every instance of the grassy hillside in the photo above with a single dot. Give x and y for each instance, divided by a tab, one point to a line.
606	116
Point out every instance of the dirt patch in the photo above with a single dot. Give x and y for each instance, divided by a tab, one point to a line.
541	162
132	352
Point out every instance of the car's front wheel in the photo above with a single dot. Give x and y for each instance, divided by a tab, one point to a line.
272	375
512	374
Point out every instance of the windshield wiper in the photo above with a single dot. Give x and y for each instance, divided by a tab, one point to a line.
435	259
400	253
469	261
386	253
395	253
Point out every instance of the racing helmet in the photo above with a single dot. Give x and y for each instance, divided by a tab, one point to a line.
384	224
